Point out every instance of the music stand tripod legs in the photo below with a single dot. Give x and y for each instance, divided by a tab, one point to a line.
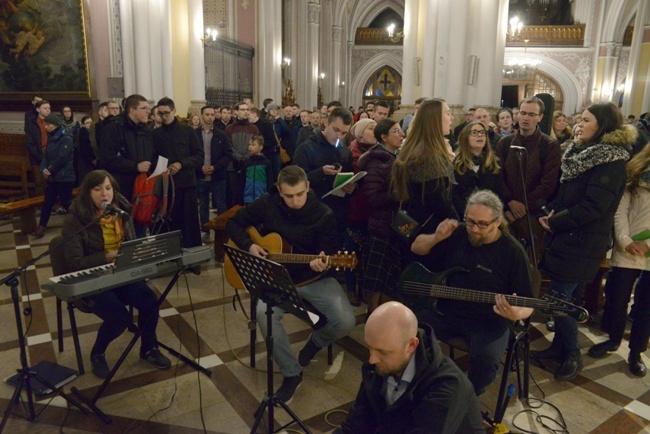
271	283
270	399
26	376
92	403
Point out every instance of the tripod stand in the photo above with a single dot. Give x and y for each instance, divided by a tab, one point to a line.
26	375
271	283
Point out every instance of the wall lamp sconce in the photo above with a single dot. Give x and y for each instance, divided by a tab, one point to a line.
210	37
286	62
514	31
342	84
393	35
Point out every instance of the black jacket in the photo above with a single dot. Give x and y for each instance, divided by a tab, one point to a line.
312	155
378	162
470	181
124	144
309	230
58	156
178	143
585	206
33	141
220	153
87	249
440	399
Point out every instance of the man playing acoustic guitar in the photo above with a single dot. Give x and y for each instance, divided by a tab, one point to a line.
309	226
494	262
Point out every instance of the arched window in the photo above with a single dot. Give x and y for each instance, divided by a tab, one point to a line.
385	83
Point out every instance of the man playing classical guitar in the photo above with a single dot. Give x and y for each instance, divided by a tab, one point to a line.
309	226
494	262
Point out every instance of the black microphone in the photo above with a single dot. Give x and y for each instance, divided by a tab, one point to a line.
111	209
519	148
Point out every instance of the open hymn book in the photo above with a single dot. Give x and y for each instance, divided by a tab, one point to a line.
341	180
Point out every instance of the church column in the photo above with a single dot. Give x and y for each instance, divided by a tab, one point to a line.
607	64
197	61
636	99
312	52
409	52
429	48
336	62
269	49
128	52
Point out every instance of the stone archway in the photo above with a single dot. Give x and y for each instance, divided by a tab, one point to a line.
385	58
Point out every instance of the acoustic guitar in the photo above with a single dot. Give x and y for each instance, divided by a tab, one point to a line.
418	287
281	251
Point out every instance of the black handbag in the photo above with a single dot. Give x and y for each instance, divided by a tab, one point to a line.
406	227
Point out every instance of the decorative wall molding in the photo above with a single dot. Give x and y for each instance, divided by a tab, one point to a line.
12	127
114	25
364	63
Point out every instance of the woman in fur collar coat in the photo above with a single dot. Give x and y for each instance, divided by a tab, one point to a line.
579	224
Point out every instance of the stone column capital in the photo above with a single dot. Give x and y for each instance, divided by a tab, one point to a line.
313	13
336	33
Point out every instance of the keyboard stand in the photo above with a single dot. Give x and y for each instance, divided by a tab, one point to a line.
92	402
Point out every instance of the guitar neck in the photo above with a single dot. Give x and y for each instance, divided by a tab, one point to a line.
292	258
440	291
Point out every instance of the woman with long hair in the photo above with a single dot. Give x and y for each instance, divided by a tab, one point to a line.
476	166
70	123
560	130
421	175
195	122
630	260
98	245
382	253
580	222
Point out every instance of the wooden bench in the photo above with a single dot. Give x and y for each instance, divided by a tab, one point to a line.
13	177
25	209
218	225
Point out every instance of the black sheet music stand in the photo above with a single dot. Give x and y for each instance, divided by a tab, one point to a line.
271	283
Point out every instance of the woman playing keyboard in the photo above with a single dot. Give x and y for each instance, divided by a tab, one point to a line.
98	245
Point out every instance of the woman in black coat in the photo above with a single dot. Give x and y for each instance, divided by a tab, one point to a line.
86	161
476	167
382	254
580	222
98	245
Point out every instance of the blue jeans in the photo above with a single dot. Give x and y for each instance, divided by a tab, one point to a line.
328	297
566	328
218	190
487	343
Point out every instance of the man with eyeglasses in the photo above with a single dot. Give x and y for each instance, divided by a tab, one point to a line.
127	147
180	145
239	133
493	262
469	117
541	167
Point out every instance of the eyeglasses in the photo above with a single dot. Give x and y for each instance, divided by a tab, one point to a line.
145	109
163	113
532	115
477	133
481	225
396	130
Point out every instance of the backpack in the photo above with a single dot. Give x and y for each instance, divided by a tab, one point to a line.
151	198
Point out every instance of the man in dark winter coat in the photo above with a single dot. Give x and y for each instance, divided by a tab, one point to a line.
323	156
127	148
36	140
408	384
180	145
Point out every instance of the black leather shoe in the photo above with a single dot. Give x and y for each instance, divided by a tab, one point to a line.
570	367
601	349
551	354
637	367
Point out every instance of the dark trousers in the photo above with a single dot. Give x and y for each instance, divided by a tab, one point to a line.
39	181
620	282
235	188
566	328
184	216
111	307
53	190
218	191
487	343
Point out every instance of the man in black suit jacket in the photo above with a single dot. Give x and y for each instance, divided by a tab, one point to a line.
211	176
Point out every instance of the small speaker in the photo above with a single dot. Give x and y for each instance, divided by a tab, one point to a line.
473	69
115	87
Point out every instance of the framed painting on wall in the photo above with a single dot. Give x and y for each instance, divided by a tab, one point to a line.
44	51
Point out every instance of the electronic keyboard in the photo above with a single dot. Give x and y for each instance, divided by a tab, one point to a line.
92	281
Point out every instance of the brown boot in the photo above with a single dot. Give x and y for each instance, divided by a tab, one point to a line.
39	232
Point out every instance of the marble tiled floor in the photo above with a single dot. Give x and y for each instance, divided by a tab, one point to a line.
605	398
